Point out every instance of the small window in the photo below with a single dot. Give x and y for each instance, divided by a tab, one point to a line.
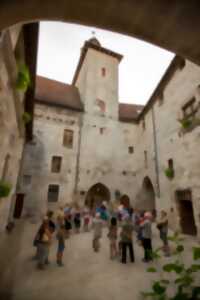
101	105
171	164
189	109
131	149
145	159
82	193
103	72
53	192
27	179
124	173
68	138
101	130
56	164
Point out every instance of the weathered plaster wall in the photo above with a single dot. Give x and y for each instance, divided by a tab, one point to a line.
11	139
49	125
104	155
183	149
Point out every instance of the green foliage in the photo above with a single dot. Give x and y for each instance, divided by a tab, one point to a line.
186	123
184	284
196	253
23	78
169	173
151	270
26	117
5	189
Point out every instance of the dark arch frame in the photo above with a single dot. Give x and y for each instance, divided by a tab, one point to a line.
140	19
148	201
100	191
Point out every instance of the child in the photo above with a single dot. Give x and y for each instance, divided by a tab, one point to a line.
86	219
146	237
112	235
61	244
97	226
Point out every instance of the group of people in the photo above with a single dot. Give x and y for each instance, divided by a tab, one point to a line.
121	224
121	228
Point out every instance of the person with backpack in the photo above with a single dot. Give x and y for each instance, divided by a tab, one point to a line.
127	239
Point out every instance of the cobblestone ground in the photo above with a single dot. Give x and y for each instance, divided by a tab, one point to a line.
85	276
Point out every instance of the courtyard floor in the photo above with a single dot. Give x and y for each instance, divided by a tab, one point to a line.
85	276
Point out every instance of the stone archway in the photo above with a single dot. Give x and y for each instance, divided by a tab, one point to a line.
140	19
146	199
96	195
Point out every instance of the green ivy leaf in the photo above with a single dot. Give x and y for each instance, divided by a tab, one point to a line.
173	268
196	253
158	288
179	248
5	189
196	292
194	268
148	294
151	270
23	78
165	281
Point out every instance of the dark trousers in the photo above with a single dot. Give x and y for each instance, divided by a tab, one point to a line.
147	249
126	245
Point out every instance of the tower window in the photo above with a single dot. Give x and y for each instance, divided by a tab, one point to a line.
103	72
131	149
53	193
68	138
56	164
171	164
101	130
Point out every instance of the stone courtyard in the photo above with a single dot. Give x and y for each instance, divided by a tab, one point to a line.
85	276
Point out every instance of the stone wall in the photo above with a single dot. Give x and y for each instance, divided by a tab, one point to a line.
49	125
172	142
12	128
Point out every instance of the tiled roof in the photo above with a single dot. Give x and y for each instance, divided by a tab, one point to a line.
129	112
57	93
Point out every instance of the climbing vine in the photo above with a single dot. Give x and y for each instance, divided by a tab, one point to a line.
176	280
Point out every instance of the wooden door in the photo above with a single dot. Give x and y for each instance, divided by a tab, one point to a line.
18	206
187	221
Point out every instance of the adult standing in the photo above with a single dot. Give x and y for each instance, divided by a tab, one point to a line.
97	231
127	239
44	240
162	226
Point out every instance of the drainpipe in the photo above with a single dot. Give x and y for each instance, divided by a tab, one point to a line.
156	153
78	154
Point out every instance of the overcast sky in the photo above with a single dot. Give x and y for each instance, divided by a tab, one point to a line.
140	70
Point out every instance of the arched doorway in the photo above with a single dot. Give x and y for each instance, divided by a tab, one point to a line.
147	196
96	195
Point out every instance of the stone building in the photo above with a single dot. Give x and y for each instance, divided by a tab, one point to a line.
88	147
82	146
13	131
168	139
